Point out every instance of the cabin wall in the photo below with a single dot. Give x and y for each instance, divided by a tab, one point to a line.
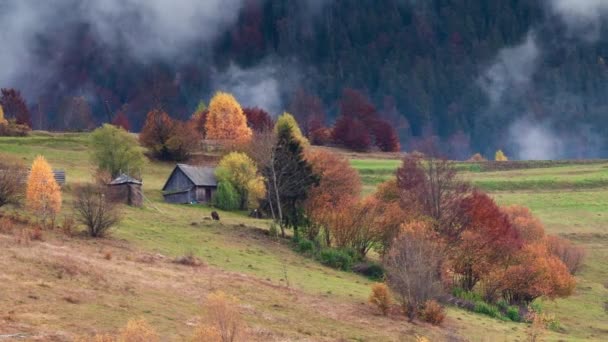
204	194
181	197
178	181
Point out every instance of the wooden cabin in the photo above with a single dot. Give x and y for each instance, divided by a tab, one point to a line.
190	184
125	189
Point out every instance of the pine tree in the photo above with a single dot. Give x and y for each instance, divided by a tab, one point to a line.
43	195
289	177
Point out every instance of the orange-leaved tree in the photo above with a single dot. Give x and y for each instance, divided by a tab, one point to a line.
2	119
43	195
226	120
339	183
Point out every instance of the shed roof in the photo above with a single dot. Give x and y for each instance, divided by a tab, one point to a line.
199	175
124	179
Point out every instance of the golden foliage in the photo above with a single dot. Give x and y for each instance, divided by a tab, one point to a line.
138	330
240	171
432	312
500	156
226	120
381	297
224	317
43	195
288	121
206	333
530	228
2	118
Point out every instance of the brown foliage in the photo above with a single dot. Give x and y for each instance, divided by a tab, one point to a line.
121	121
95	209
431	187
571	255
258	119
537	273
432	312
168	139
12	172
529	228
189	260
385	136
138	330
381	297
205	333
487	242
15	107
352	133
339	183
412	267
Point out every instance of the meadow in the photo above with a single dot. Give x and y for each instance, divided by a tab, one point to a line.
284	295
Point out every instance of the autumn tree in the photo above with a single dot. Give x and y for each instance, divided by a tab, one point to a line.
3	120
359	125
183	141
385	136
381	297
352	133
12	172
258	119
529	228
116	151
43	195
289	178
241	172
121	121
199	118
226	120
95	209
168	139
15	107
287	121
536	273
339	183
500	156
431	187
487	241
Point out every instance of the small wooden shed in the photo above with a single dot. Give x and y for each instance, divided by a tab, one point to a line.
190	184
125	189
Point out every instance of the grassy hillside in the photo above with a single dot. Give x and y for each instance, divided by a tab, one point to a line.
58	287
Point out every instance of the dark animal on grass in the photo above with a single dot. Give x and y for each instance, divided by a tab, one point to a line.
215	216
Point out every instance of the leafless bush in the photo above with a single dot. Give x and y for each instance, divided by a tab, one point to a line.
12	173
138	331
570	254
6	225
412	268
95	210
224	316
189	260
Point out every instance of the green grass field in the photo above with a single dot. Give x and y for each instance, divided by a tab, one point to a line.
572	200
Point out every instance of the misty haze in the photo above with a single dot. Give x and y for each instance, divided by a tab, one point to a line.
310	170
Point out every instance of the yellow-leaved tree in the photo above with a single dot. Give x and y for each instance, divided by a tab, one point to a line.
226	120
43	195
2	118
241	172
287	120
500	156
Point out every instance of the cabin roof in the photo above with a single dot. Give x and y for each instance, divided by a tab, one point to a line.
198	175
125	179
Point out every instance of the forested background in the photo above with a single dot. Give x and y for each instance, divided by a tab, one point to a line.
525	76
